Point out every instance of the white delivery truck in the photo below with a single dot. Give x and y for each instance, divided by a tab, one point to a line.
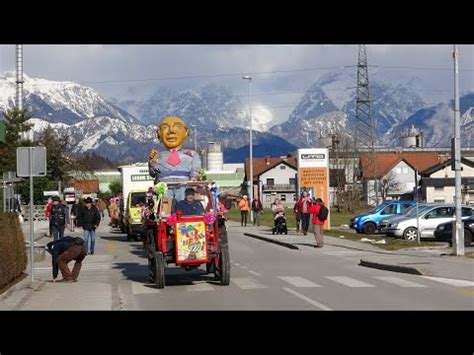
136	181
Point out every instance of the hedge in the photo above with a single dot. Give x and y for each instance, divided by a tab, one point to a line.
13	257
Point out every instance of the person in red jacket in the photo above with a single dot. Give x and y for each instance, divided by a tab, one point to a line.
317	222
304	205
47	214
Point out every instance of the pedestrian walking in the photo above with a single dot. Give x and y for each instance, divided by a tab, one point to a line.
59	218
320	214
47	214
244	210
304	205
257	209
63	251
89	219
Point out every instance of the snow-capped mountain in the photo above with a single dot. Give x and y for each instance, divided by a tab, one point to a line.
94	124
212	106
328	106
59	101
436	124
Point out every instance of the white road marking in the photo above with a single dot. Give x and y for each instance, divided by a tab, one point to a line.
297	281
307	299
398	281
139	289
199	287
452	282
254	273
247	283
349	281
236	264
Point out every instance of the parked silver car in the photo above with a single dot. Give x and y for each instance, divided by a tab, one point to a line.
411	212
429	219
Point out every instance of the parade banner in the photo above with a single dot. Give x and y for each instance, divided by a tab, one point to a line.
191	241
313	175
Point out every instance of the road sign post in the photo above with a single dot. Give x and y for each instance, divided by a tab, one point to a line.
30	162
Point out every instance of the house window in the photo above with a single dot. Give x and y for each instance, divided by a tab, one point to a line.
268	198
282	167
398	170
294	198
404	170
283	198
270	181
292	181
439	188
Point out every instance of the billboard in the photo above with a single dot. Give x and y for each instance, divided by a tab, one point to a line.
313	175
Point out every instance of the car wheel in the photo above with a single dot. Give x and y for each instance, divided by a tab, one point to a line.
410	234
369	228
467	237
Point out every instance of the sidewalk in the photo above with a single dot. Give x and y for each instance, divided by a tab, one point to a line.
436	261
93	291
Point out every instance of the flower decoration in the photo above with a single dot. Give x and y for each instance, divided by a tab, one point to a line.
160	189
171	220
202	174
209	218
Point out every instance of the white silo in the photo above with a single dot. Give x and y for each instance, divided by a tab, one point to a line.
215	158
412	139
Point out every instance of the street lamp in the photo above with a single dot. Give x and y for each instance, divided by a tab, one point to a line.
249	78
195	137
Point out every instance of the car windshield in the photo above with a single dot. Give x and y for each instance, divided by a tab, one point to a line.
379	208
176	193
421	208
137	198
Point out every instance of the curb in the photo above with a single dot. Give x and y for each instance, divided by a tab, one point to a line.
391	267
25	282
284	244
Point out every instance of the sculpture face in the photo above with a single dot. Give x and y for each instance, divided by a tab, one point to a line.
172	132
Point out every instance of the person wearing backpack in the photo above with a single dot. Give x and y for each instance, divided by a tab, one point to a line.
59	218
320	214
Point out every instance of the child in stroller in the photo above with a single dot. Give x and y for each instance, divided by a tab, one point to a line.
278	210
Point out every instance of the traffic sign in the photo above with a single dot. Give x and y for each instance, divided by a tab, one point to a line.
38	164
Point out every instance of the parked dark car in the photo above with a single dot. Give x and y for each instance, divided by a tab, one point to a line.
444	232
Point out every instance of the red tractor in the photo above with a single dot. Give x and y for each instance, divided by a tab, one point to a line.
188	241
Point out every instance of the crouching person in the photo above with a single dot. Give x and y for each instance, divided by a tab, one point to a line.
63	252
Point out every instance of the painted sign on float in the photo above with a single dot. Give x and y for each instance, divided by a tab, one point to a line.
313	175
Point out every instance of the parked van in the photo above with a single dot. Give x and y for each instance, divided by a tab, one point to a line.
133	218
368	222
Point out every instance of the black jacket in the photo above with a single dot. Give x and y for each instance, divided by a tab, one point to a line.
56	248
194	208
88	218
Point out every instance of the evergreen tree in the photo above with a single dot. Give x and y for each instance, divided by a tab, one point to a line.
15	124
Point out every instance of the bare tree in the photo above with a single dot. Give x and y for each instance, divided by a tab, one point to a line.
388	184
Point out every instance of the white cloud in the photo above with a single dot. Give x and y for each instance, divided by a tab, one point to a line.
114	62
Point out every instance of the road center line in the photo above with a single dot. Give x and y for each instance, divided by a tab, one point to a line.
307	299
254	273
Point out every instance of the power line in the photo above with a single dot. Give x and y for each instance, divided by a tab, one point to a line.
250	73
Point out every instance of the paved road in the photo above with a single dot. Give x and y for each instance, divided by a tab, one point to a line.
264	276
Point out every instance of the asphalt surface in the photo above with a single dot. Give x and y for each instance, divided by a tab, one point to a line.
264	276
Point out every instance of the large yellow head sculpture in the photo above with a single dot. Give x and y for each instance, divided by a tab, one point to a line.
172	132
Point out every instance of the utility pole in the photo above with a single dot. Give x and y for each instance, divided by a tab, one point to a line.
458	231
19	76
364	125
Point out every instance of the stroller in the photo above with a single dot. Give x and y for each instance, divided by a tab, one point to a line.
280	226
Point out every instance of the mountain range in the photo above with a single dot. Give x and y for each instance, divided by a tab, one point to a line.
123	128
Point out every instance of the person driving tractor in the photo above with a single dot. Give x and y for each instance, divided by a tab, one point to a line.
189	206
